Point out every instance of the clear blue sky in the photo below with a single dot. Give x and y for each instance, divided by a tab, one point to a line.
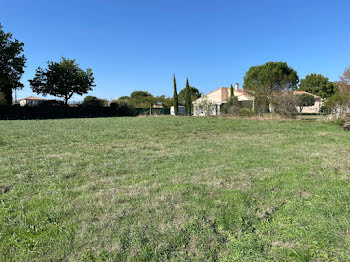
138	45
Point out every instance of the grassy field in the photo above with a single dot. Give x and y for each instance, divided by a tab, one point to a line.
163	188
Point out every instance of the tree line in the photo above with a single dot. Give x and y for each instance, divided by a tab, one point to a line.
269	84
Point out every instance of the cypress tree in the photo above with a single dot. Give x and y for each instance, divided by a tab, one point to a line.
176	100
231	91
188	98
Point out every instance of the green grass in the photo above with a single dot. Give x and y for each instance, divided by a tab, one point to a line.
163	188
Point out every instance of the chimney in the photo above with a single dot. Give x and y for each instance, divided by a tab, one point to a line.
236	86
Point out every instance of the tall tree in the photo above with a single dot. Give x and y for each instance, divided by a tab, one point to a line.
62	79
176	100
188	99
194	95
12	63
142	99
317	84
231	91
264	81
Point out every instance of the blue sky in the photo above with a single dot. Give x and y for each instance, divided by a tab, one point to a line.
138	44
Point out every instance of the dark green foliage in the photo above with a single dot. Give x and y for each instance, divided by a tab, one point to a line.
123	108
124	98
142	99
176	100
164	101
231	91
261	104
62	79
94	101
270	77
188	100
3	101
246	112
232	107
12	63
304	100
318	84
263	81
194	95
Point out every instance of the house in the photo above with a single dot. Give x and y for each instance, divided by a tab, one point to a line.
211	103
310	109
30	101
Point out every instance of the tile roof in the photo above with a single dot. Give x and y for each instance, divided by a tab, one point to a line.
32	98
304	92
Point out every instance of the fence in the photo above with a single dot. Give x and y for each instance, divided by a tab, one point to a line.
154	111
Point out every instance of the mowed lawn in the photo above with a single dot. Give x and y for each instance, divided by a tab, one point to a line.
163	188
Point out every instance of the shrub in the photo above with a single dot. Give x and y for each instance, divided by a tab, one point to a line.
285	104
232	106
94	101
123	108
246	112
339	122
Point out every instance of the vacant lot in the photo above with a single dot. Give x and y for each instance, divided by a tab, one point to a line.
164	188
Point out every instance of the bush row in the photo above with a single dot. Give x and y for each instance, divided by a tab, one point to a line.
56	112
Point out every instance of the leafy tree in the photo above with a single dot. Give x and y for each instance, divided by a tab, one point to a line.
12	63
62	79
176	100
263	81
142	99
304	100
126	98
94	101
317	84
164	101
194	95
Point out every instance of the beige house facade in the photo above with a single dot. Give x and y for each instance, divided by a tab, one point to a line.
210	104
310	109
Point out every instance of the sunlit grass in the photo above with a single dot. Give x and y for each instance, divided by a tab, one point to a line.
162	188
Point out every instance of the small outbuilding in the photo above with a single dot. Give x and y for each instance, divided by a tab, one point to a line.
181	110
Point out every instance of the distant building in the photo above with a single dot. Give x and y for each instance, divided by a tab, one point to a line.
31	101
182	110
310	109
212	102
